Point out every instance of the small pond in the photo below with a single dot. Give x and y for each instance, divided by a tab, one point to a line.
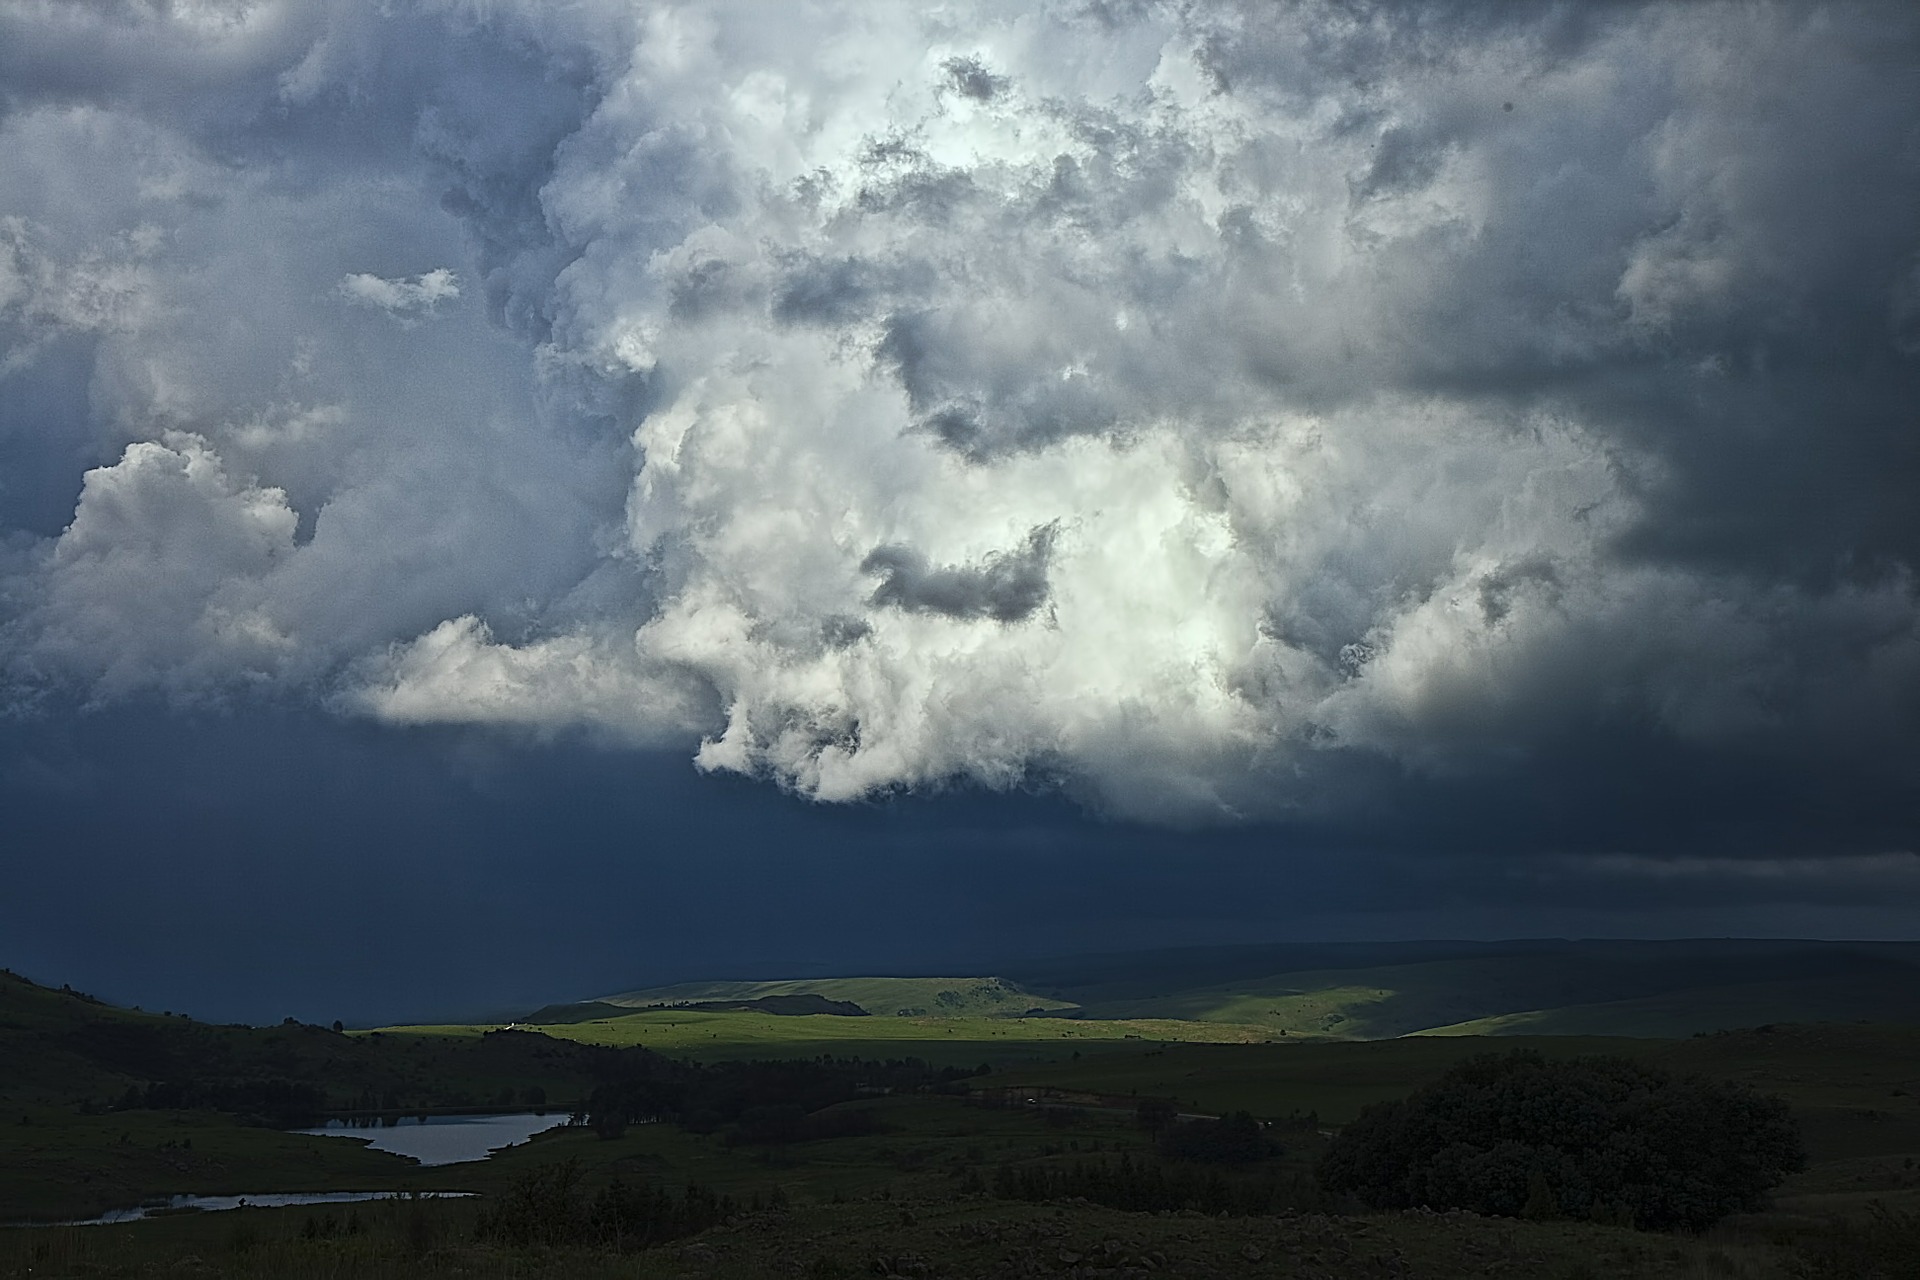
442	1139
215	1204
431	1140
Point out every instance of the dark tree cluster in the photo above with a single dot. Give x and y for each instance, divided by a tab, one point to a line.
1234	1139
546	1206
781	1124
145	1051
280	1104
1599	1138
763	1101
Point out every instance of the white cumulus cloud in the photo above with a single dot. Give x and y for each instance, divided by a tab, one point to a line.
1162	402
404	298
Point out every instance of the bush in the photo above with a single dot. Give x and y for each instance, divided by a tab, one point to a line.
1598	1138
545	1207
1234	1139
780	1124
1885	1245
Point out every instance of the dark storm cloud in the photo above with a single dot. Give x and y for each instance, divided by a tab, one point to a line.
824	291
969	76
277	864
1702	269
1007	586
940	358
1430	410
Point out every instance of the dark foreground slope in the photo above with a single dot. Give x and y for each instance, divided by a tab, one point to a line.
67	1049
102	1107
907	1235
912	1174
105	1107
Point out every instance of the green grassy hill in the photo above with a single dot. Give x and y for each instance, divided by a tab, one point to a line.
880	996
718	1036
1537	987
1696	1009
1379	991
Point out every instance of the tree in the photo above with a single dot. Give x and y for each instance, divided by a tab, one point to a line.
1155	1114
1234	1139
1599	1138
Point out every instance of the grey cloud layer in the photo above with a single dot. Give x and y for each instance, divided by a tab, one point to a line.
1198	407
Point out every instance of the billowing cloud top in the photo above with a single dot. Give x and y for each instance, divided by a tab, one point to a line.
1213	409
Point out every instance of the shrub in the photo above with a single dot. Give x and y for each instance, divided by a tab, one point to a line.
543	1206
1884	1245
546	1207
1234	1139
780	1124
1598	1138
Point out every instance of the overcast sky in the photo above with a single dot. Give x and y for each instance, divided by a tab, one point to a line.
507	500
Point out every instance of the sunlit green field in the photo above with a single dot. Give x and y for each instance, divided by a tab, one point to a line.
1667	990
885	997
962	1041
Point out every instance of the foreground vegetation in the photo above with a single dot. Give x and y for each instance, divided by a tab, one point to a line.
900	1202
1605	1139
907	1235
1083	1156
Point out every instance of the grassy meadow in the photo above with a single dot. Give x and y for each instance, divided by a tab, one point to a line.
1383	991
704	1035
886	997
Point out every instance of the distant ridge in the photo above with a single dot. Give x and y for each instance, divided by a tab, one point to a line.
1524	986
788	1006
886	997
1531	986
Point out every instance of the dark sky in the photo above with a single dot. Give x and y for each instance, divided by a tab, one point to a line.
263	864
508	503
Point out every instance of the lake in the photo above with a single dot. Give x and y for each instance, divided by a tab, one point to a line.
431	1140
443	1139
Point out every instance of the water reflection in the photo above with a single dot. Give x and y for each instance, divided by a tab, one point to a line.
436	1140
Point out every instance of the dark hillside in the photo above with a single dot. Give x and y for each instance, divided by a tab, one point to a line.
557	1015
794	1006
62	1048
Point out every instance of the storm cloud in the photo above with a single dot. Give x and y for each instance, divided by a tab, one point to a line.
1217	413
1007	586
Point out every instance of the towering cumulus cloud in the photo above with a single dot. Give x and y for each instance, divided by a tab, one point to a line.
1212	409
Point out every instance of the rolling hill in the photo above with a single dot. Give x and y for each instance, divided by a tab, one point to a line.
880	996
1380	991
